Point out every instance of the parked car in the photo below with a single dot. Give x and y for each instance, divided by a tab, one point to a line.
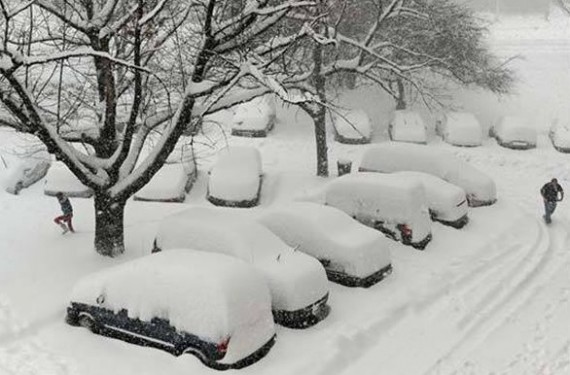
396	206
394	157
460	129
407	126
514	132
352	254
559	135
235	179
447	202
183	301
352	127
60	179
298	282
170	184
255	118
26	173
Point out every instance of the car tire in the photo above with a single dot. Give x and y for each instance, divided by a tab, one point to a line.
88	322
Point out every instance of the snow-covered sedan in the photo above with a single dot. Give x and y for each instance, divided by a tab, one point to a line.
460	129
26	173
394	157
213	306
407	126
255	118
298	282
352	254
352	127
170	184
514	132
447	202
559	135
60	179
235	178
394	205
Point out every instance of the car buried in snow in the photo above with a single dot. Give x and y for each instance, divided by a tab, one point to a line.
212	306
514	132
407	126
460	129
298	282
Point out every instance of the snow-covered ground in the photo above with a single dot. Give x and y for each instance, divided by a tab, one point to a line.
491	298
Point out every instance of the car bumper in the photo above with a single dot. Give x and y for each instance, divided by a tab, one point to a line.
457	224
305	317
355	281
420	245
249	360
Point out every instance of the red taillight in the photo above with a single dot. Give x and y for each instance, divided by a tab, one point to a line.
406	230
222	346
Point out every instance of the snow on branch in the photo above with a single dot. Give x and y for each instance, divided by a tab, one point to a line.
150	15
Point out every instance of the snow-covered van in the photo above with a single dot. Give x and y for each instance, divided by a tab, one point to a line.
352	254
391	157
213	306
235	179
396	206
407	126
298	282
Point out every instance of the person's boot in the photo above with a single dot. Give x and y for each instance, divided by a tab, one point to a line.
64	228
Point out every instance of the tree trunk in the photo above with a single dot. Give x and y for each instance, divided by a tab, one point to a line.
319	118
109	229
401	100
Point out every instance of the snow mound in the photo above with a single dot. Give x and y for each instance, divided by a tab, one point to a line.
461	129
407	126
352	126
26	173
394	157
516	132
560	136
254	118
329	235
209	295
169	184
295	279
60	179
235	178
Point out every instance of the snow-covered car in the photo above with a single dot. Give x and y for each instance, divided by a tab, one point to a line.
26	173
447	202
394	205
213	306
298	282
460	129
170	184
60	179
235	178
407	126
559	135
394	157
255	118
514	132
352	254
352	127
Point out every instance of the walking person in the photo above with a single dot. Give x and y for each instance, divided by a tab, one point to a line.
552	193
64	221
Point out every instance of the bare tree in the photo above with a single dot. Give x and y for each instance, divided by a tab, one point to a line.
110	72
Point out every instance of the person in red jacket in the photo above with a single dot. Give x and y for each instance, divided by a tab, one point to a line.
64	221
552	193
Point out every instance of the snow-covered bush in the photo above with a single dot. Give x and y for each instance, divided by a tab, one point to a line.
254	118
60	179
514	132
396	206
407	126
352	126
212	296
394	157
461	129
26	173
235	178
296	280
169	184
559	135
351	253
447	202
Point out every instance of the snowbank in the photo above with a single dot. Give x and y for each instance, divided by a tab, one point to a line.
461	129
254	118
60	179
26	173
209	295
514	132
383	200
235	178
352	126
295	279
407	126
344	246
169	184
394	157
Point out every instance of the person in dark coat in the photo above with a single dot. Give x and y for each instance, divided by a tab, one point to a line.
67	210
552	193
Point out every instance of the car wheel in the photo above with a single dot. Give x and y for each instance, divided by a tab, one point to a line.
88	322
